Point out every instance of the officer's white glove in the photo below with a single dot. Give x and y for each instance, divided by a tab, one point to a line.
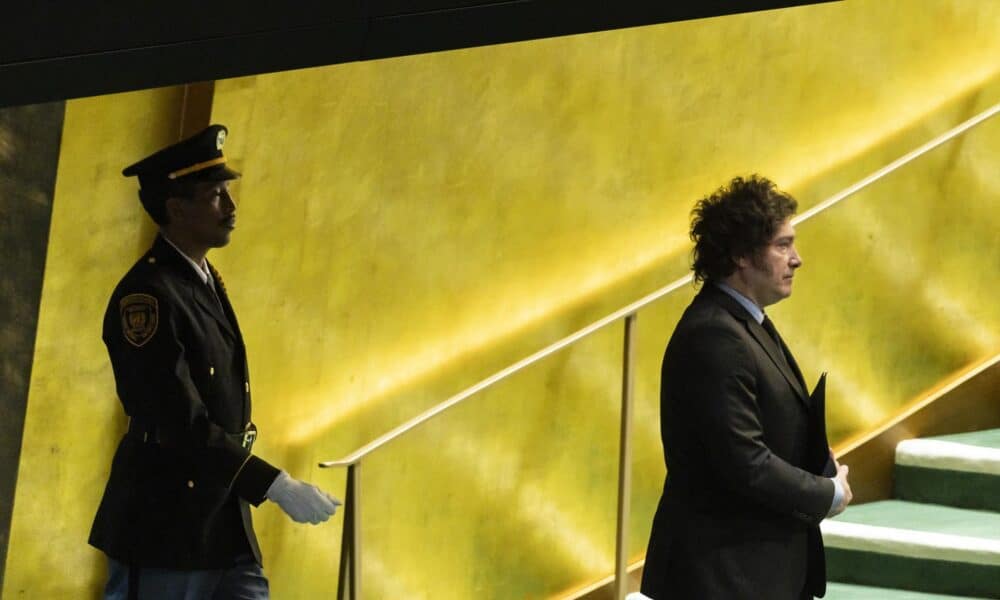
303	502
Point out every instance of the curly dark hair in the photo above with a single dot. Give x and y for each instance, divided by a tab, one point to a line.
737	220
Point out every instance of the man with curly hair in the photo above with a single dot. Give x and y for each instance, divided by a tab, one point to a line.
750	472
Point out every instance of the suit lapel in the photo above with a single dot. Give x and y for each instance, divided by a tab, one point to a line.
777	356
795	368
203	295
760	335
227	307
199	290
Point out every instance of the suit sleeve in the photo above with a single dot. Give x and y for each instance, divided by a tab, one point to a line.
726	409
155	385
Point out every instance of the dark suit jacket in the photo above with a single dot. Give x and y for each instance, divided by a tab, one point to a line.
180	483
745	448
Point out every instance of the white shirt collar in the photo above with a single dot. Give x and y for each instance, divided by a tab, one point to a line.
201	270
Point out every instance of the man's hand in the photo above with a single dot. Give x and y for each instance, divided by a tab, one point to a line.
841	478
303	502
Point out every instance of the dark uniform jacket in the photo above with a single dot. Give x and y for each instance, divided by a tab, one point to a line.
746	454
181	479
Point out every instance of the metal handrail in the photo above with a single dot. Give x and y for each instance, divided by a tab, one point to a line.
569	340
572	338
349	584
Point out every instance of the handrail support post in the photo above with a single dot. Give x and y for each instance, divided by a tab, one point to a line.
349	581
625	460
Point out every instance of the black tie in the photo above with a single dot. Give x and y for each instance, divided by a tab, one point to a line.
785	353
769	328
210	283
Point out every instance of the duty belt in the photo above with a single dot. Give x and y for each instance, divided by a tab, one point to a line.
148	435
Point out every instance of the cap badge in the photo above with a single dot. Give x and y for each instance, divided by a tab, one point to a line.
220	139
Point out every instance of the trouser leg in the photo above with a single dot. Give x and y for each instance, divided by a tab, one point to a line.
244	581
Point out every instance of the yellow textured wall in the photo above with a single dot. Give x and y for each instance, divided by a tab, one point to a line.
408	226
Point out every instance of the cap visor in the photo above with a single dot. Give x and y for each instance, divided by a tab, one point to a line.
217	173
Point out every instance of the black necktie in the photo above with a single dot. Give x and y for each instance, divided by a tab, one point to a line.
210	283
769	328
785	353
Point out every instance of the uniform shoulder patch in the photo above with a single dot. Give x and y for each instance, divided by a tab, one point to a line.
140	318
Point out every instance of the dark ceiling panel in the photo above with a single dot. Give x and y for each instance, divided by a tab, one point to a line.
53	29
501	22
171	64
384	8
52	49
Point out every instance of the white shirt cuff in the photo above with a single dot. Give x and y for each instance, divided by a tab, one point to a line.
838	495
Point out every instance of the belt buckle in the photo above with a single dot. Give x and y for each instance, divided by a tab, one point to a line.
249	436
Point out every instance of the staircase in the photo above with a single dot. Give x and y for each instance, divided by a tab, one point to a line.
938	538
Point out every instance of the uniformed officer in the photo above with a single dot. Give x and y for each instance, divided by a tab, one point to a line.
175	516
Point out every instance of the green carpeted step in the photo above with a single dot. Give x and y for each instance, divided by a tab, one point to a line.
921	547
958	470
988	438
847	591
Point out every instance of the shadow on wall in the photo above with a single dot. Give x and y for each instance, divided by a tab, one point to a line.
29	153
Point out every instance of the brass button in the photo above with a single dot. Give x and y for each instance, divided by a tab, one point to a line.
211	371
190	483
151	260
246	385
